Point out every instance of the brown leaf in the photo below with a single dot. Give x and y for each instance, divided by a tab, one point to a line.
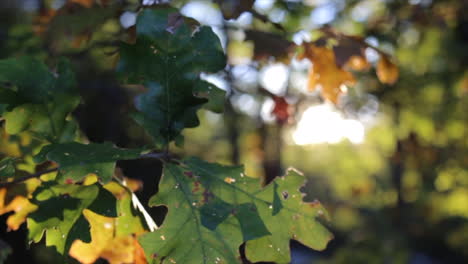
232	9
346	49
387	71
325	73
268	45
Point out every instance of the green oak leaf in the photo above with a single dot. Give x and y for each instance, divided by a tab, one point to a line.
168	58
77	160
59	214
183	238
31	77
207	201
217	208
295	219
45	120
38	100
214	95
7	167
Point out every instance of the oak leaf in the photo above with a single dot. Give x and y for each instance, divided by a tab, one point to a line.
114	249
325	73
21	207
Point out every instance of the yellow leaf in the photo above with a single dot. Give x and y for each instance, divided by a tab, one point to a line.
387	71
104	244
21	207
324	72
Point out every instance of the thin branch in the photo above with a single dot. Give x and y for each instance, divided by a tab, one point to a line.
332	33
265	19
27	177
155	155
160	156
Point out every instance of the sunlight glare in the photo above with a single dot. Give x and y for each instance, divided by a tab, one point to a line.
323	124
274	78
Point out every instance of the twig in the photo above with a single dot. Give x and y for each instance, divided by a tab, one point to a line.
265	19
160	156
27	177
332	33
155	155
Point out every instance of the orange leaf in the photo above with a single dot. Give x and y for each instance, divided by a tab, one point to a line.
357	63
325	73
104	244
387	71
41	21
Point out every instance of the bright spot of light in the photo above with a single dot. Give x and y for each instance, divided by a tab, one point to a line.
363	10
277	15
323	14
263	5
267	108
128	19
217	80
274	78
246	104
203	12
301	36
323	124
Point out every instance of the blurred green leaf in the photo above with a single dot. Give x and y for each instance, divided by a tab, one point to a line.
7	167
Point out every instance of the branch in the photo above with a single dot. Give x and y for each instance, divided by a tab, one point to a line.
332	33
27	177
160	156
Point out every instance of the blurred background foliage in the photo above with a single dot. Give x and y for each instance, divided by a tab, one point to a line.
389	162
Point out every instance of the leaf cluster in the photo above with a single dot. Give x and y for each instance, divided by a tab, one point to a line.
83	209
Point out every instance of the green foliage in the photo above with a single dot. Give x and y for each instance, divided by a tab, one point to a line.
7	167
168	58
60	213
39	99
77	160
291	218
219	207
212	209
